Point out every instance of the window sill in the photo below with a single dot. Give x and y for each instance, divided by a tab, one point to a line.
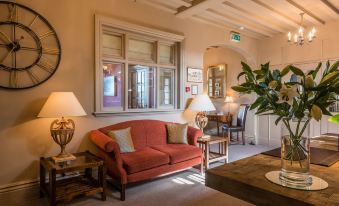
131	113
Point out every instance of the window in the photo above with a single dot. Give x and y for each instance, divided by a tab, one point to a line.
138	68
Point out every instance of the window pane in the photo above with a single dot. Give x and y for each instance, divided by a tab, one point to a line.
166	54
141	50
166	87
141	84
112	84
112	45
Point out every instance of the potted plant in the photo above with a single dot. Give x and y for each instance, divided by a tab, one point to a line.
295	101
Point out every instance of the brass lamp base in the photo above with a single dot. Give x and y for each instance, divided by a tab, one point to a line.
62	132
201	120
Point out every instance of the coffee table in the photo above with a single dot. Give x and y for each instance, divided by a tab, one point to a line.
245	179
210	156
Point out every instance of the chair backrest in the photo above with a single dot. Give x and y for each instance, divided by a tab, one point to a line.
241	119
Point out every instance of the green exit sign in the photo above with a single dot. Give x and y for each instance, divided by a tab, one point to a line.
235	37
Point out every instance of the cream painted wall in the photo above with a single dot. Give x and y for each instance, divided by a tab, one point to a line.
24	138
232	59
279	52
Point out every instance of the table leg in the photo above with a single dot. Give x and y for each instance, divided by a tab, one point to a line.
52	187
102	182
42	178
218	127
207	153
226	151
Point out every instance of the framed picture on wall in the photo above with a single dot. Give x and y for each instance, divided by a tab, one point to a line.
194	89
194	75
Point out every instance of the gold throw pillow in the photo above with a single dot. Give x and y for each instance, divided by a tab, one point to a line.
177	133
124	139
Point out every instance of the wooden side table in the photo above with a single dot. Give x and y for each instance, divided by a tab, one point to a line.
210	156
70	185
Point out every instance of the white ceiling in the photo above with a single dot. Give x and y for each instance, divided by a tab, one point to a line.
260	18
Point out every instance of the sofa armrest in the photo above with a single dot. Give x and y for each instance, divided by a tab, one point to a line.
106	144
193	134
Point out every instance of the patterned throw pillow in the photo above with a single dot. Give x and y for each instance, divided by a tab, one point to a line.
123	138
177	133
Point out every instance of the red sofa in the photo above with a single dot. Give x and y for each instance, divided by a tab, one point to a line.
153	156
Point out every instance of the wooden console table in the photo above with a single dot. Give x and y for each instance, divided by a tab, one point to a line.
220	119
245	179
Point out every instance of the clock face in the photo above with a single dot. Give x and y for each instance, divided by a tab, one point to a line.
30	50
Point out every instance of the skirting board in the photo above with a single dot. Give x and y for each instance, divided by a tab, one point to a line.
18	185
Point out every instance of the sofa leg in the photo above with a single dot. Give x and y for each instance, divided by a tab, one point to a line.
122	192
243	138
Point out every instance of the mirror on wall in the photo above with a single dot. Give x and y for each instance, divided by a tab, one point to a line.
217	81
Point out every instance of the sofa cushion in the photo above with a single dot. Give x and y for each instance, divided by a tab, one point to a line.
177	133
123	138
138	132
143	159
179	152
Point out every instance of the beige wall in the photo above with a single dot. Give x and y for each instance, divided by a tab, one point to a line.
24	138
279	52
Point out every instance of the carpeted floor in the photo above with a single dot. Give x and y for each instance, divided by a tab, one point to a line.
181	189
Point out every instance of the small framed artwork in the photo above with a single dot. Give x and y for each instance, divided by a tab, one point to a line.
194	75
194	89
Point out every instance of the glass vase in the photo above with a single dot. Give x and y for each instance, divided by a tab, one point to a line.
295	155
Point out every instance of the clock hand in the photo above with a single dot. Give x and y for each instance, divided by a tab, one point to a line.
5	38
7	55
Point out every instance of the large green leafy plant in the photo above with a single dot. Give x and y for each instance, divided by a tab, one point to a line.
300	100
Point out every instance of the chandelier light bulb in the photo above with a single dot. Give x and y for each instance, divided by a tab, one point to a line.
289	36
310	37
314	31
295	38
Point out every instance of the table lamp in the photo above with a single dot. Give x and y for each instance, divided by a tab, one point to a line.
228	100
202	104
61	105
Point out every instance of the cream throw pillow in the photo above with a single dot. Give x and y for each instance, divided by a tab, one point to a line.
177	133
124	139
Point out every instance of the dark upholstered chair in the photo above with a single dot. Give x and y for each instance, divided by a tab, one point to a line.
240	127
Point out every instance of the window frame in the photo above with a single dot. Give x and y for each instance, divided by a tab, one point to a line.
131	31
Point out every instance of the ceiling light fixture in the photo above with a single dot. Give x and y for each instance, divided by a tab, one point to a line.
298	37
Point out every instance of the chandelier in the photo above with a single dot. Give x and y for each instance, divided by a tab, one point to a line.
298	37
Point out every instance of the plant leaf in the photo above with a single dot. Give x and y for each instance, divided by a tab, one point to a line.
240	74
240	89
334	67
329	77
285	70
297	71
334	119
257	102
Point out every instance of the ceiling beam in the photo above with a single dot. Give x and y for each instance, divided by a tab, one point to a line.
252	16
277	12
306	11
331	6
237	22
181	2
220	24
158	5
197	7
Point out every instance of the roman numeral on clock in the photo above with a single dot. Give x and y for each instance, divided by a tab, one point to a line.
45	65
35	79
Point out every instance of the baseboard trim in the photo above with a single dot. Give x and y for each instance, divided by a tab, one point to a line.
11	187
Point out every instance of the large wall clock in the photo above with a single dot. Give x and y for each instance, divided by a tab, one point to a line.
30	50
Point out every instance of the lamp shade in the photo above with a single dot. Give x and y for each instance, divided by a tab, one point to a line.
228	99
62	104
202	103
